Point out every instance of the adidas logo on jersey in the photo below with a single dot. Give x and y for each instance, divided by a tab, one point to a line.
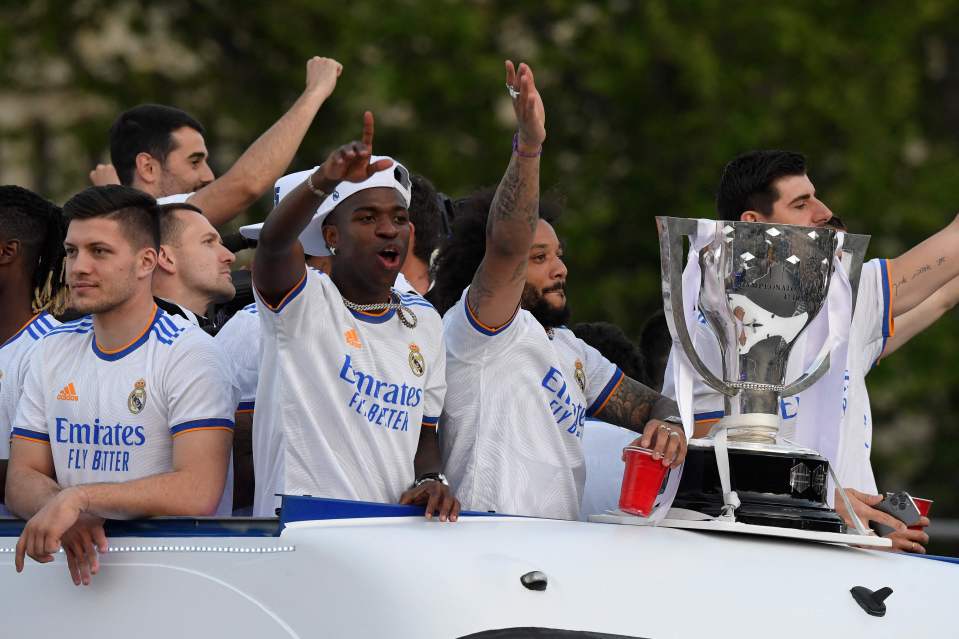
353	339
68	394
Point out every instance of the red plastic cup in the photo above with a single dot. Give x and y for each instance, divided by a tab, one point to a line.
923	505
641	481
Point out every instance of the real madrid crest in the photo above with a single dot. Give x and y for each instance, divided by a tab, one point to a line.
417	363
580	376
137	400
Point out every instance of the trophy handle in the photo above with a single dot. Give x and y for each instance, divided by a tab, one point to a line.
671	232
854	249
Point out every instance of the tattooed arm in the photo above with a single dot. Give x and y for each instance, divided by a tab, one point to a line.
910	324
632	404
498	283
924	269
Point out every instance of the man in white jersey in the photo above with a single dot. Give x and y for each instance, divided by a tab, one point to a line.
160	150
31	261
772	186
520	385
125	413
352	376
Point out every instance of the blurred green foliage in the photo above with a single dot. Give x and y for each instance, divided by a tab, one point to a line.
645	103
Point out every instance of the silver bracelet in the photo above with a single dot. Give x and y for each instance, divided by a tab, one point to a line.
315	191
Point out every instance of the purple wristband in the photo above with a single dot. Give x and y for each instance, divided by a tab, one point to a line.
520	153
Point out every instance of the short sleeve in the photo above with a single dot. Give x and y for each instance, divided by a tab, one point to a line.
602	378
198	386
468	339
435	390
31	420
291	316
240	340
872	320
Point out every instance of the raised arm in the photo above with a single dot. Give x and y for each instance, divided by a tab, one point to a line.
498	283
910	324
924	269
278	265
255	172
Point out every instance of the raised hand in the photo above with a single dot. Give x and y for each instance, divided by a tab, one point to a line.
321	75
351	162
103	175
528	106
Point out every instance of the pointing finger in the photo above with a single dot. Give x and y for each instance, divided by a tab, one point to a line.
368	129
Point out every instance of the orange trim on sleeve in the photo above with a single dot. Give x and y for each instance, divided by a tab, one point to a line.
203	428
493	329
30	439
289	293
610	396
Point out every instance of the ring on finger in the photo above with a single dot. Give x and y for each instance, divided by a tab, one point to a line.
673	434
513	93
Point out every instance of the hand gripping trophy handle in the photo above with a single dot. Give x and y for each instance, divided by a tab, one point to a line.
672	262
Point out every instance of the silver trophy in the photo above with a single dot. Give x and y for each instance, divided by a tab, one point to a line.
761	286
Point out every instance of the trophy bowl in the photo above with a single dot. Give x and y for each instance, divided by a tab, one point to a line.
760	286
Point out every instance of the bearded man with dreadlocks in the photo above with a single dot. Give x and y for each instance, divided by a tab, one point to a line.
31	287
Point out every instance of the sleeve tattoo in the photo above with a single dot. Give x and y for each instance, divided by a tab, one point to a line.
633	404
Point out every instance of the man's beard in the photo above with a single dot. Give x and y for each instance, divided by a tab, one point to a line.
545	313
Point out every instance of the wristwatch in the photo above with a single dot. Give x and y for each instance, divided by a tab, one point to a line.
673	419
425	477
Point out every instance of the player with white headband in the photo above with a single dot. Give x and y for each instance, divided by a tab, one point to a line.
352	376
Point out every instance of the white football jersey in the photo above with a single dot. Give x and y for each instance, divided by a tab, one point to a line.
240	340
872	325
111	416
13	355
342	395
516	406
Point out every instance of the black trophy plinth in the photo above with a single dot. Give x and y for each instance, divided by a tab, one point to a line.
776	486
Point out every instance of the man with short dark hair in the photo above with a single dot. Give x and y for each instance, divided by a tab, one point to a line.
426	219
126	412
773	187
193	266
31	287
161	151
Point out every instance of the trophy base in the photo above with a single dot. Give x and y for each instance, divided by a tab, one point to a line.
776	485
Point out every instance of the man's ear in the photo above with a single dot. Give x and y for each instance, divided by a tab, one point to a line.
165	260
146	262
412	244
751	216
331	235
9	251
147	168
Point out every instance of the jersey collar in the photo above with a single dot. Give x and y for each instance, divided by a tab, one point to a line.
111	356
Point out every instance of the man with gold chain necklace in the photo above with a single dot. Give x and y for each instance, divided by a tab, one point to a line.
353	373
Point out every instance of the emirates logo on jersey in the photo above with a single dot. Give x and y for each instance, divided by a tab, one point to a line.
137	399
